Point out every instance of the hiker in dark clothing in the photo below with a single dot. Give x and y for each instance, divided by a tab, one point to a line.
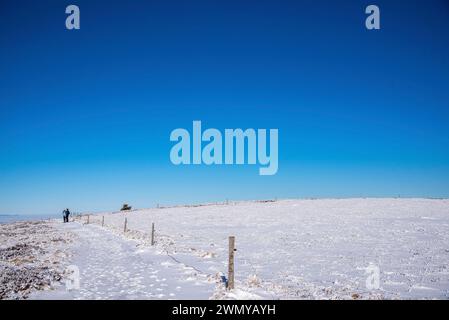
63	215
67	214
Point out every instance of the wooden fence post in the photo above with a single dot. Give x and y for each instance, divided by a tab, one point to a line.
231	263
126	222
152	234
102	221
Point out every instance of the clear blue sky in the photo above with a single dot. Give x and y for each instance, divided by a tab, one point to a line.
86	115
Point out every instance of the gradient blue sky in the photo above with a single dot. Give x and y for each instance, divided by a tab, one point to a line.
86	115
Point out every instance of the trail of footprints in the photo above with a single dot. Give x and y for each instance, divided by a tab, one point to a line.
111	270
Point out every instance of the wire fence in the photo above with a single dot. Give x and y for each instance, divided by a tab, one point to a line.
159	240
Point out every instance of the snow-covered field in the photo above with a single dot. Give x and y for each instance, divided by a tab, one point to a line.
288	249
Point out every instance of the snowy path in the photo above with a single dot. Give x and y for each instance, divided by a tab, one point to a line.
112	267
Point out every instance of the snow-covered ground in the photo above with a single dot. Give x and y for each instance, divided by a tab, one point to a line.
288	249
33	256
112	267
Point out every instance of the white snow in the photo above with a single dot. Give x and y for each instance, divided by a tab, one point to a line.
32	257
289	249
115	268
